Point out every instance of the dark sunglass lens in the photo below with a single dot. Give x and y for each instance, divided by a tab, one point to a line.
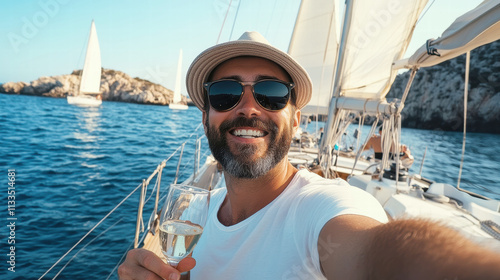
224	95
271	95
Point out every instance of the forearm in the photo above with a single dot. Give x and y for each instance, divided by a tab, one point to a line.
416	249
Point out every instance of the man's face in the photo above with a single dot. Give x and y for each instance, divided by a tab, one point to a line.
248	140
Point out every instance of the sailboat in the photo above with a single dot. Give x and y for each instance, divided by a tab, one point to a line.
90	81
176	101
405	195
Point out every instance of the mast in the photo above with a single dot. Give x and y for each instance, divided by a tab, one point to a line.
338	75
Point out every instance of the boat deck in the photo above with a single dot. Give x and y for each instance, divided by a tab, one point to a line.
152	243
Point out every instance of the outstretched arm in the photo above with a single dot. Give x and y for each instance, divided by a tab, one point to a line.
144	264
403	249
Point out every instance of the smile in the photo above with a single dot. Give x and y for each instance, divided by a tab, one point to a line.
248	133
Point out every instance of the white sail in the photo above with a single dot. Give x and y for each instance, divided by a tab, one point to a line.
91	75
379	34
176	102
314	45
177	89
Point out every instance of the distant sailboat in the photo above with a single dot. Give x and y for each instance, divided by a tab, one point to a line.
90	82
176	102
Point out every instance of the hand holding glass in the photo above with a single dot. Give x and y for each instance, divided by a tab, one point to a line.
182	220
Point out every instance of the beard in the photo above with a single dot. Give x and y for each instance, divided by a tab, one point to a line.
242	165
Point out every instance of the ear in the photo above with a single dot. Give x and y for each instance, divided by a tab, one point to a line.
296	121
204	121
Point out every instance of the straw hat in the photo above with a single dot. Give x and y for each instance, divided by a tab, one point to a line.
249	44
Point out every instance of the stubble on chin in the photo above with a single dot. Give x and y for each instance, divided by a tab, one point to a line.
242	164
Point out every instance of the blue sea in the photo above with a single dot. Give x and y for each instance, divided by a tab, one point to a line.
72	165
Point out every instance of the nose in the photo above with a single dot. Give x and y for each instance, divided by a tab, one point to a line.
248	106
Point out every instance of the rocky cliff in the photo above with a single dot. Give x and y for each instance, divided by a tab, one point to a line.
115	86
435	100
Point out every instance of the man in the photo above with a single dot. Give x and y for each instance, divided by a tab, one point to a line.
275	222
375	144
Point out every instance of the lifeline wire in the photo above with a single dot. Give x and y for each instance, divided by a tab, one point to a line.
90	231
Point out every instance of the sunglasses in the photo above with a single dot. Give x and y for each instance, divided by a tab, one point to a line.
272	95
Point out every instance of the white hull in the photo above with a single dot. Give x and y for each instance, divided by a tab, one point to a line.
83	100
443	203
177	106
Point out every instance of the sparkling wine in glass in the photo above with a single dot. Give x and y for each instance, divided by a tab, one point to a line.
182	219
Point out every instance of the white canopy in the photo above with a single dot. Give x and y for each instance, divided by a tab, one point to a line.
473	29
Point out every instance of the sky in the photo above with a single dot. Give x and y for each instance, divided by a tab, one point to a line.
143	37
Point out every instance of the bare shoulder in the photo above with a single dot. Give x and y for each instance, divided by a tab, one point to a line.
374	143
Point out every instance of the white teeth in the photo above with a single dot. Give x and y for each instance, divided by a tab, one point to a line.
248	133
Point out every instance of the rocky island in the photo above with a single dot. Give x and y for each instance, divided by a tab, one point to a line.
115	86
436	97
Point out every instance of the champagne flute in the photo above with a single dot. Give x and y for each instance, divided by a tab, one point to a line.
182	219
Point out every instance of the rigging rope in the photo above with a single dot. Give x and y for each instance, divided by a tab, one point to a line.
194	132
466	93
386	140
407	89
90	231
121	259
108	214
361	149
397	140
234	21
271	18
360	127
95	238
423	14
224	21
341	121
